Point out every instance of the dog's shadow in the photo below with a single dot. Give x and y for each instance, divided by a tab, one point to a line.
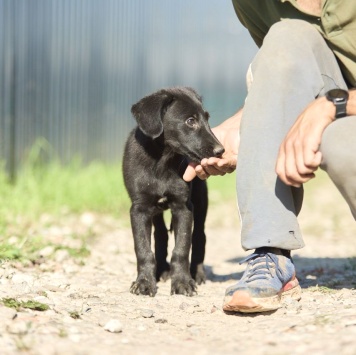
215	277
333	273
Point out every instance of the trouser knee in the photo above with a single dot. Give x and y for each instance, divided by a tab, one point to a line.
293	33
289	47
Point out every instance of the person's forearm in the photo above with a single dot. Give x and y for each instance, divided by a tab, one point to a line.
233	122
228	132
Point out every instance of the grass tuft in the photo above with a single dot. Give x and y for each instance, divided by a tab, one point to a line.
74	315
44	185
34	305
322	289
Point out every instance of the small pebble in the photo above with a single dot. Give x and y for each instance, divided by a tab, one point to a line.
21	278
47	251
61	255
146	313
161	321
183	306
113	326
18	327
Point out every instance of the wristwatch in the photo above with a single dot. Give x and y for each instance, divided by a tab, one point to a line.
339	98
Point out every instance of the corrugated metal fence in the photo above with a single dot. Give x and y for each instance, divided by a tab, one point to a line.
70	69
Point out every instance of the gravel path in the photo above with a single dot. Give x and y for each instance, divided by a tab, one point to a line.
91	311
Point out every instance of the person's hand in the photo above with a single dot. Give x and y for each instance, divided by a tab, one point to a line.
228	135
299	156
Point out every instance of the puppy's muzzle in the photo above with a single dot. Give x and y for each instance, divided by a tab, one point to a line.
218	151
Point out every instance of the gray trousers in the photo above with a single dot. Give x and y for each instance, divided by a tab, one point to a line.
292	68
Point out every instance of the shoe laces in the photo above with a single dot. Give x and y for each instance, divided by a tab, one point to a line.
261	265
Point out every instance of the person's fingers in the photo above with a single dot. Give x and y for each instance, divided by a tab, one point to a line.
219	166
212	170
210	166
299	154
318	157
311	155
190	172
293	178
286	168
201	172
209	161
228	165
302	167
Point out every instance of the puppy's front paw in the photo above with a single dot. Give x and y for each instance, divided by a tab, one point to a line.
183	286
144	286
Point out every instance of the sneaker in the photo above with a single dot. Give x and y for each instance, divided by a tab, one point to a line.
270	274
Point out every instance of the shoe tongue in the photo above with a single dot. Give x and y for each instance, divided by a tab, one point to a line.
271	250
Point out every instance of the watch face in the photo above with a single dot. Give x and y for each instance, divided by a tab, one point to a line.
338	94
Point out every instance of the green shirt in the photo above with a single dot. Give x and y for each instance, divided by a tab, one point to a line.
337	24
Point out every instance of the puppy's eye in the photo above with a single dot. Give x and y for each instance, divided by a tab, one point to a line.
191	121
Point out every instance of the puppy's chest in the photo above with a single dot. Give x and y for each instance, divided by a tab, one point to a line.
165	190
168	183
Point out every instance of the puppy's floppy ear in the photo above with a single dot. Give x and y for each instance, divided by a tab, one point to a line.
148	112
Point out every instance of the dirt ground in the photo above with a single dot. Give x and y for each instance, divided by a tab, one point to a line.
91	310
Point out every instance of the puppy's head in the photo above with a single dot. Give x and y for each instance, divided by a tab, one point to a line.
178	114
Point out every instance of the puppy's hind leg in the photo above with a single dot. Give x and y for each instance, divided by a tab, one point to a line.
182	282
161	247
199	199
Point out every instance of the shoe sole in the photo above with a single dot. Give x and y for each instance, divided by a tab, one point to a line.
241	301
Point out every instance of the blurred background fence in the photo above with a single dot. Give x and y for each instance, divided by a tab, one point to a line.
71	69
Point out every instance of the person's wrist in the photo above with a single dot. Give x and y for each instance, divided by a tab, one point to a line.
328	108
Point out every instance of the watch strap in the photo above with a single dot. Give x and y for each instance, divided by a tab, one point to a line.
339	98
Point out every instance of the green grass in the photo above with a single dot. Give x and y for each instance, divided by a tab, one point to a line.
74	188
27	248
56	189
222	188
34	305
53	188
74	314
321	289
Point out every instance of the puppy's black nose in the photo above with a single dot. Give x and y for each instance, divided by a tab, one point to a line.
218	151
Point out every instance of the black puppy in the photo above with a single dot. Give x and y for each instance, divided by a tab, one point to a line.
172	126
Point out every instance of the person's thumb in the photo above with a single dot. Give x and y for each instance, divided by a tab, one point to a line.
190	173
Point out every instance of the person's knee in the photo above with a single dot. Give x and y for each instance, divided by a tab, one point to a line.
289	48
293	31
